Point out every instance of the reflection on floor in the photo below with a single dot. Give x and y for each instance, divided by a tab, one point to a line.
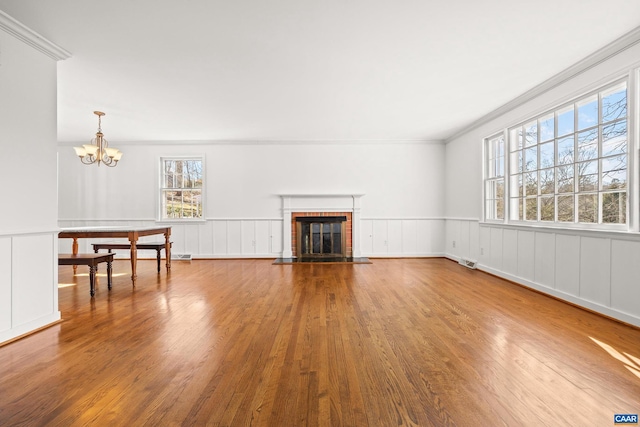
325	260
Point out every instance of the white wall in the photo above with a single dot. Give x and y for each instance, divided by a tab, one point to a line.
596	270
401	183
28	217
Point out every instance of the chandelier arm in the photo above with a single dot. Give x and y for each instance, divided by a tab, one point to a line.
87	160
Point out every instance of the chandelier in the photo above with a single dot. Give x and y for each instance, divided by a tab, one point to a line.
98	151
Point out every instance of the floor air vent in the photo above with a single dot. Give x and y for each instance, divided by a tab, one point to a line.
183	257
468	263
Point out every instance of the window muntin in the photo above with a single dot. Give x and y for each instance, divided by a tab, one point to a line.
570	166
494	182
181	188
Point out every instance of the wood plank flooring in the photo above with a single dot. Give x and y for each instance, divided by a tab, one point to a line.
414	342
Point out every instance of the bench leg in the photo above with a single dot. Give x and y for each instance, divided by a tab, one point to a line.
109	274
92	281
158	258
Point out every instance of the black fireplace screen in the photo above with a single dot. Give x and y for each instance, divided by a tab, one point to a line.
320	236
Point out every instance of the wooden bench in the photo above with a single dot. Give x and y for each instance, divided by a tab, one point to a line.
158	246
92	260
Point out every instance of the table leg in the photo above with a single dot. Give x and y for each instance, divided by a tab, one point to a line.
134	259
167	248
92	280
109	275
74	250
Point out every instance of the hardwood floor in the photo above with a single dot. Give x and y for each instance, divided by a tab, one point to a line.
244	342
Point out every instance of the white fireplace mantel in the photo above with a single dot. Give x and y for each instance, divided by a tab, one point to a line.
320	203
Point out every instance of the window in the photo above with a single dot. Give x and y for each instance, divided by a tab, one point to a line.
568	166
494	182
181	188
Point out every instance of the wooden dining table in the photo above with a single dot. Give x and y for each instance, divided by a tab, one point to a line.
131	233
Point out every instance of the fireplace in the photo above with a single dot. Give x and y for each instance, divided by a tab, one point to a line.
318	206
321	236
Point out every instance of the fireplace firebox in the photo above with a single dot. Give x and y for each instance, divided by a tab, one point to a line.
321	236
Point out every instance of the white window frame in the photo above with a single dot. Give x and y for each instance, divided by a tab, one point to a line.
511	209
494	173
162	188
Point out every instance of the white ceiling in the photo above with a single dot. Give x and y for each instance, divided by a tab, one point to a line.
307	70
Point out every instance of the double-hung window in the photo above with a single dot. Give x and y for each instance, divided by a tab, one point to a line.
181	188
494	178
568	166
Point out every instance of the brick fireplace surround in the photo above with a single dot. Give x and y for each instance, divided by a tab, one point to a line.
294	205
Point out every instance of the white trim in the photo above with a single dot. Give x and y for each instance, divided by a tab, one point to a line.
614	48
30	37
274	142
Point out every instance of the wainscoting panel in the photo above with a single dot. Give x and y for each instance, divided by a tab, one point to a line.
495	259
526	255
215	238
5	283
568	264
598	271
411	237
545	259
595	270
220	237
625	276
510	252
28	283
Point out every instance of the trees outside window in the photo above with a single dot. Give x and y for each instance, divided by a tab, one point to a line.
570	165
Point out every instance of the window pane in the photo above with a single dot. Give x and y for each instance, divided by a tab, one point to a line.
614	138
516	161
490	189
588	208
516	185
588	113
614	172
495	209
500	166
566	150
499	188
531	133
565	121
614	208
565	208
547	181
547	155
565	179
588	145
531	180
515	139
531	158
172	202
547	128
547	209
614	104
588	176
531	209
515	208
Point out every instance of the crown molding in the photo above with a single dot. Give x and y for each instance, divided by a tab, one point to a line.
596	58
30	37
